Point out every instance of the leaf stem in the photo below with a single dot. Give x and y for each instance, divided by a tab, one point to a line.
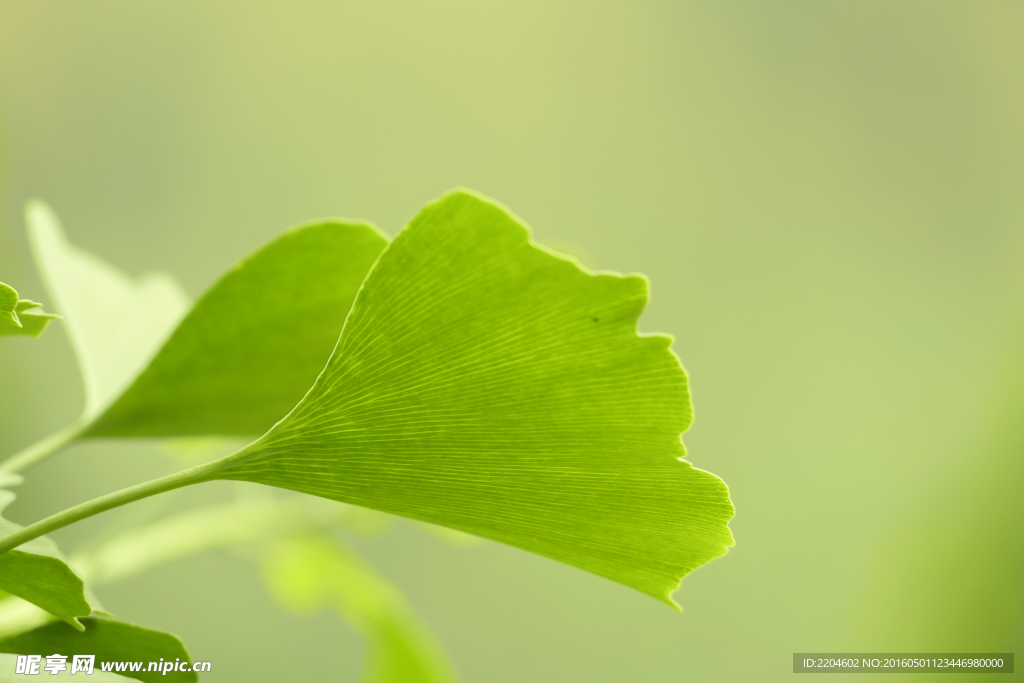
43	448
194	475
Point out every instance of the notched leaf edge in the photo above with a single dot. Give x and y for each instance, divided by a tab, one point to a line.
664	338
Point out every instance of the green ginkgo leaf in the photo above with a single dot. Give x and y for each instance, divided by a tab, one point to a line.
485	384
38	573
253	345
306	575
21	317
110	640
115	322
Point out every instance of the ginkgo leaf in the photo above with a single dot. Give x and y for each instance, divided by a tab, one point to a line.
253	345
115	322
110	640
21	317
38	573
306	575
9	663
485	384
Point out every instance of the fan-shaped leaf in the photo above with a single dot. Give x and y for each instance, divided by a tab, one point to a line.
485	384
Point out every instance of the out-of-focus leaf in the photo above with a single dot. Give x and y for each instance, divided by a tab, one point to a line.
193	450
18	616
484	384
219	526
37	572
21	317
9	663
111	641
115	322
307	575
950	576
254	343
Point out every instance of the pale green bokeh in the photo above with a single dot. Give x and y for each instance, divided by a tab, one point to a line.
310	574
826	199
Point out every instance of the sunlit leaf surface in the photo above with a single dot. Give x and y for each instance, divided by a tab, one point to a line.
485	384
253	345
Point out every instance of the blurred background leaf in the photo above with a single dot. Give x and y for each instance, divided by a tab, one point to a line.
308	574
949	574
115	323
825	197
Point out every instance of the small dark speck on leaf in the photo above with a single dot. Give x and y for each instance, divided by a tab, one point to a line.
595	320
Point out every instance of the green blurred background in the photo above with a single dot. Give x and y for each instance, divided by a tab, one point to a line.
827	198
